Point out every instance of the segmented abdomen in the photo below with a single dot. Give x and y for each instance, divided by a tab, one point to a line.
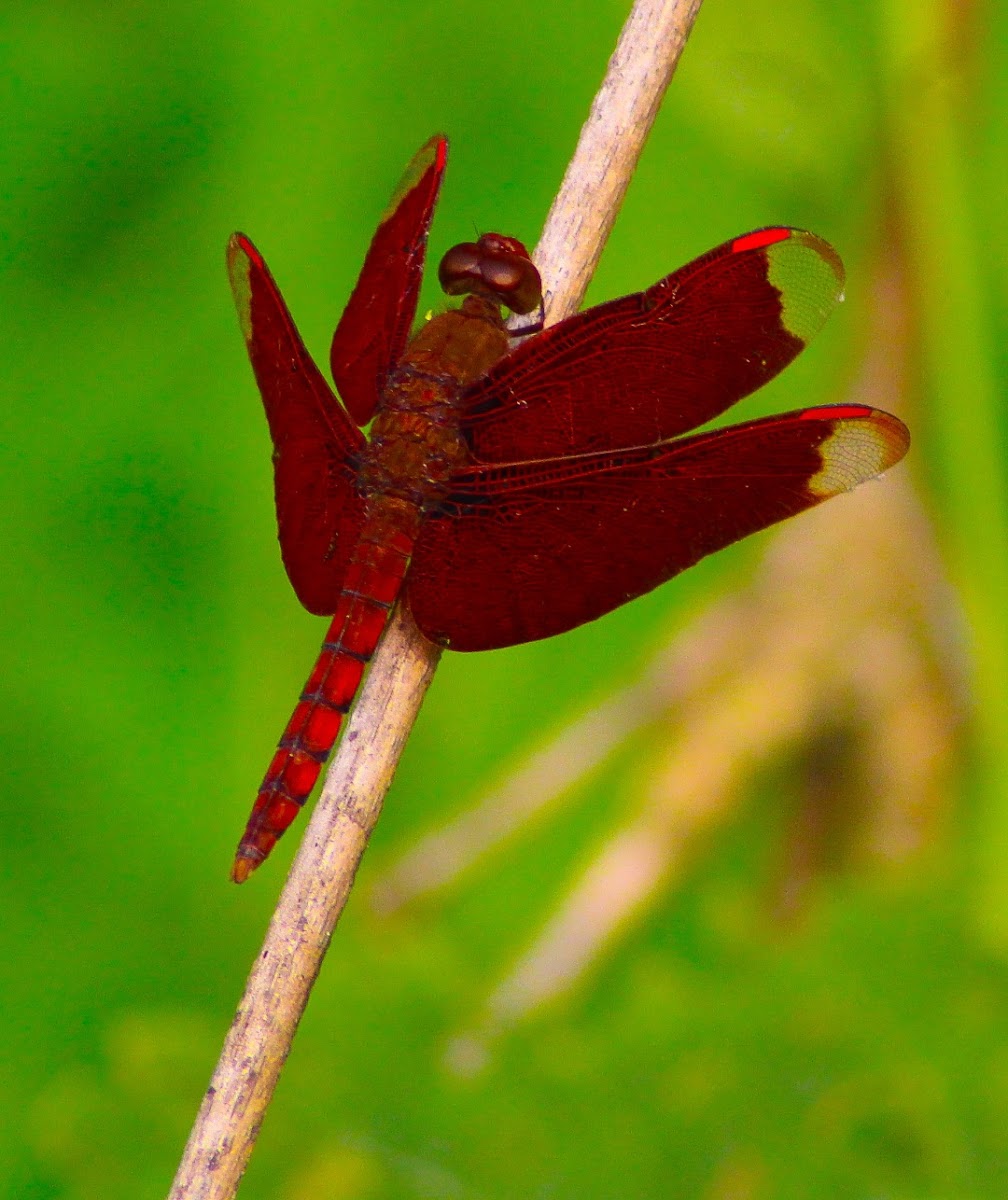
372	583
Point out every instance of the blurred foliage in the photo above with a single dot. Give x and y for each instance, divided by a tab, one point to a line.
153	648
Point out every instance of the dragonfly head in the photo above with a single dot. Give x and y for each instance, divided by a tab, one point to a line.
496	267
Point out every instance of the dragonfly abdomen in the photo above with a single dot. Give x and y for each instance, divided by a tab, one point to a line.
372	583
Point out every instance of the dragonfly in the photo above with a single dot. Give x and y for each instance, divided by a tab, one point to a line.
512	490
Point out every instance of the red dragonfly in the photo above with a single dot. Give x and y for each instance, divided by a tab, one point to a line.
511	495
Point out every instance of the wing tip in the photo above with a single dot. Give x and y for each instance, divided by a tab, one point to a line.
810	277
431	157
439	143
826	253
241	255
806	271
862	444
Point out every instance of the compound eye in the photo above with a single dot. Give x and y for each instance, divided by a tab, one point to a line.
509	271
459	270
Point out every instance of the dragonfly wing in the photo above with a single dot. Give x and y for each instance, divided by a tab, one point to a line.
315	444
375	326
650	366
527	550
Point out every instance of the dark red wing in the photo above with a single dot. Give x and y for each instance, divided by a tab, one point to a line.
375	326
319	512
649	366
526	550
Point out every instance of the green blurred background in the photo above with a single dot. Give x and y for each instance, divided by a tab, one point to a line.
153	648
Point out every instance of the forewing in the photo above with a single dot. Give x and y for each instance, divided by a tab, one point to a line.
375	326
528	550
319	511
649	366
